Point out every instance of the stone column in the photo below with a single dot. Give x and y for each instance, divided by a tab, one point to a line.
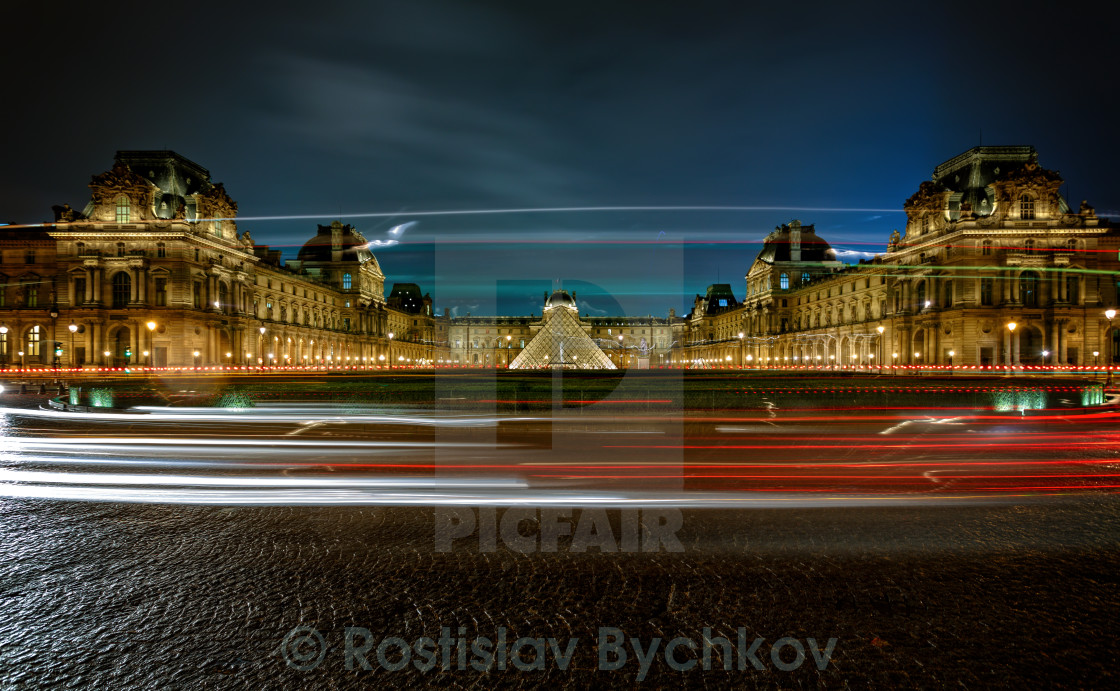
96	282
142	275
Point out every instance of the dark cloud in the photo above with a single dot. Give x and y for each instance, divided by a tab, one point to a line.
349	107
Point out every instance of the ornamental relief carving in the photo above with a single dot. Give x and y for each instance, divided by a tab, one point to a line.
108	186
216	203
930	197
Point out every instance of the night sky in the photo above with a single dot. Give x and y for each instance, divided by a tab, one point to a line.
830	114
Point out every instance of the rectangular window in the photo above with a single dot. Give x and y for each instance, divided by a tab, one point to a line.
987	286
161	251
79	291
1073	290
123	208
29	257
196	294
346	323
161	292
32	296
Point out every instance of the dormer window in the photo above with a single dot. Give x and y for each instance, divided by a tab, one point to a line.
1026	207
925	224
218	227
124	209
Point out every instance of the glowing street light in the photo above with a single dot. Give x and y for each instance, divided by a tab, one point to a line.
390	350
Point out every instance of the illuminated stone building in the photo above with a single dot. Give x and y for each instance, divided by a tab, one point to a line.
155	271
993	268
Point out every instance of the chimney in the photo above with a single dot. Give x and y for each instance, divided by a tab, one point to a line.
795	241
336	235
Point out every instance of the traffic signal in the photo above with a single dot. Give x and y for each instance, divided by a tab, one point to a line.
128	352
58	351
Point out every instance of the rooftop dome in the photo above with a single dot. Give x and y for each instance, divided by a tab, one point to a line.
346	238
560	298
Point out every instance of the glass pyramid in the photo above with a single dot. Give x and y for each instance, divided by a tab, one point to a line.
561	342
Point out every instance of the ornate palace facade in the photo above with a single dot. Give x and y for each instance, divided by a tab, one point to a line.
994	268
154	272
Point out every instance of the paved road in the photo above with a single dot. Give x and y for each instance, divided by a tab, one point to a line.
936	551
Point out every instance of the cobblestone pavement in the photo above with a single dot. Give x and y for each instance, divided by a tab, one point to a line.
144	596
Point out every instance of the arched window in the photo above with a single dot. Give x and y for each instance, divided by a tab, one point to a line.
783	281
124	209
804	276
347	281
986	248
1028	289
1026	207
34	341
122	289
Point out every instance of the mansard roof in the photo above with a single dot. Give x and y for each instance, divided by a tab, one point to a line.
787	241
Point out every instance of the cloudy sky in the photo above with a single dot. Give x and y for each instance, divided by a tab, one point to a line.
830	113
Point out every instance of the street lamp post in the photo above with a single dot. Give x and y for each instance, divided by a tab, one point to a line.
951	354
260	349
1011	345
1109	314
880	329
151	335
390	350
740	350
894	364
73	328
4	353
